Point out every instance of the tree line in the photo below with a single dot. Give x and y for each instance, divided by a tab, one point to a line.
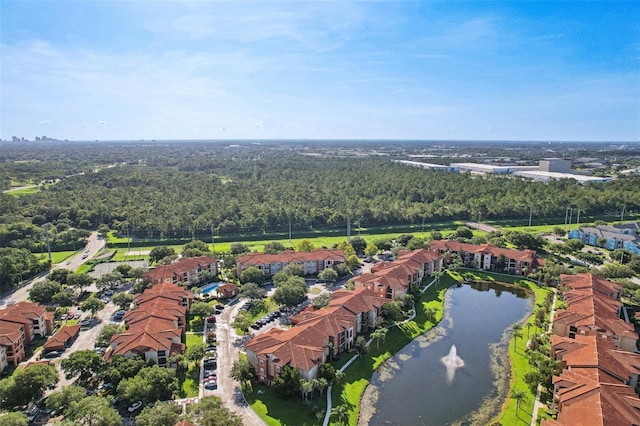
265	191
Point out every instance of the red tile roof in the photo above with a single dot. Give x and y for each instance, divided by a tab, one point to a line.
151	335
185	264
10	333
22	311
152	324
158	307
60	339
253	259
163	291
590	307
358	301
528	256
299	347
586	402
420	255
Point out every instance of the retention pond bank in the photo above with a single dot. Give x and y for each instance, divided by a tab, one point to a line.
431	382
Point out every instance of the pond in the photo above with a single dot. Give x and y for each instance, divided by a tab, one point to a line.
418	387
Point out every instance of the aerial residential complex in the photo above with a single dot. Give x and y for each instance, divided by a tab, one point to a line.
490	257
316	335
155	326
185	270
19	324
270	264
611	237
316	332
598	383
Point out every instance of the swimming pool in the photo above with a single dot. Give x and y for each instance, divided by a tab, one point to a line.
209	288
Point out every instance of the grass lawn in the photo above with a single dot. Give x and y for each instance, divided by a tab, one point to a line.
275	411
519	367
56	256
193	339
318	240
24	191
189	381
121	256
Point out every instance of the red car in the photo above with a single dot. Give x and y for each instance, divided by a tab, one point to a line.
70	315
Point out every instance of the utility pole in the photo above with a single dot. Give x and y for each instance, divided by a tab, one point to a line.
348	228
289	231
213	240
46	234
530	216
570	217
566	216
622	214
578	219
128	241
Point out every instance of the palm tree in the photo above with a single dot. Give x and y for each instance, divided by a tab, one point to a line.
519	396
339	378
379	334
306	387
331	348
517	333
341	412
529	325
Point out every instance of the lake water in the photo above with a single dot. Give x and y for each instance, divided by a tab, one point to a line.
413	389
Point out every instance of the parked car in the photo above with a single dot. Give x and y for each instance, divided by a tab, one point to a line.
52	354
33	414
70	315
76	315
134	406
219	306
211	384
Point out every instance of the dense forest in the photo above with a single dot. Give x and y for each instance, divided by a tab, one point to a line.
183	190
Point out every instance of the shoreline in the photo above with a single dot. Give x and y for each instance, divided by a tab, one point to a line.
492	406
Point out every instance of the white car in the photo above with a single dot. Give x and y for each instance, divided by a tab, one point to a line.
134	406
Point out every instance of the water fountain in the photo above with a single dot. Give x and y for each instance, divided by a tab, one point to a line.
452	361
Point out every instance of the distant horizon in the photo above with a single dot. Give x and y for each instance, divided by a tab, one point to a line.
284	70
532	141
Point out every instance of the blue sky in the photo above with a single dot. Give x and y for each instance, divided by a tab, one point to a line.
511	70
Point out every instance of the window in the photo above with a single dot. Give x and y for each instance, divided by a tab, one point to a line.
261	362
277	368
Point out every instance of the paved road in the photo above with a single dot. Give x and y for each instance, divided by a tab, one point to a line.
94	245
228	350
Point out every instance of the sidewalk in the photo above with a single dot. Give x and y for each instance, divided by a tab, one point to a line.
537	404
